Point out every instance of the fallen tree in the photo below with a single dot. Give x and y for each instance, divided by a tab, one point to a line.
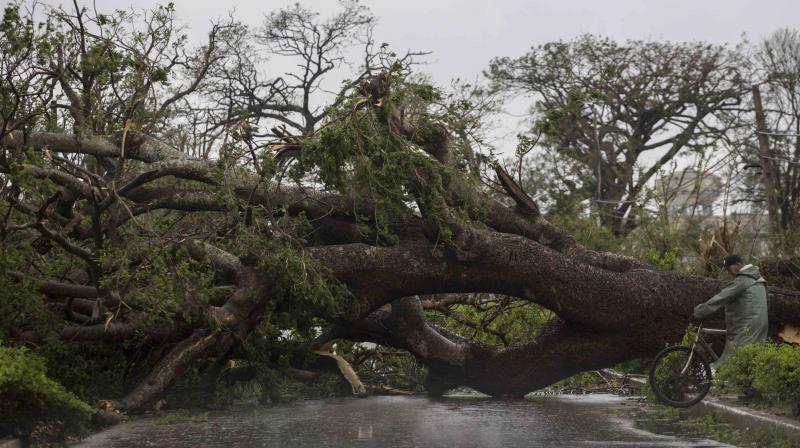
121	242
608	308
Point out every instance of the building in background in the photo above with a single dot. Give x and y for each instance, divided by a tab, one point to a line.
697	203
690	193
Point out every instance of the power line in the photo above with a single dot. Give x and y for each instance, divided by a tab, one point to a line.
790	160
603	201
780	134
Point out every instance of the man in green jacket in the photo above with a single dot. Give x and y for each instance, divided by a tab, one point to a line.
745	302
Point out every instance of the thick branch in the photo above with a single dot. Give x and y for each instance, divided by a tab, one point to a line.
655	303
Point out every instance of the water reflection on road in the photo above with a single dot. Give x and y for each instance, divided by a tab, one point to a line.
570	421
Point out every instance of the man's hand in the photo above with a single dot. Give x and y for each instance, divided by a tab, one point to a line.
695	316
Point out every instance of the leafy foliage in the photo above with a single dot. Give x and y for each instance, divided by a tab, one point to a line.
20	304
715	425
30	401
773	370
359	153
131	74
667	260
600	105
300	287
496	321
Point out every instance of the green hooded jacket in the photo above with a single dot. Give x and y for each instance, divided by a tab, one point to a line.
745	302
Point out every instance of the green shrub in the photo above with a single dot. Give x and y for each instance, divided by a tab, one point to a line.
666	260
34	406
773	370
737	371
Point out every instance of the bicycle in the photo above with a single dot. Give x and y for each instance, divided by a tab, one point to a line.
680	376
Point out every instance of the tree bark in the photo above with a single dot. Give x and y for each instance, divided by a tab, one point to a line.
604	317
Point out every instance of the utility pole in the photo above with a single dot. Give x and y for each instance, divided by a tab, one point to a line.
768	174
599	194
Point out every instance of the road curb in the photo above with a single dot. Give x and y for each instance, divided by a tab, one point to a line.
750	418
735	415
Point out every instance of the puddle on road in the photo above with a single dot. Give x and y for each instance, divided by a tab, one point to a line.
547	421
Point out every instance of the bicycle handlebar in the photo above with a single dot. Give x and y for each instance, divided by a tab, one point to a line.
700	329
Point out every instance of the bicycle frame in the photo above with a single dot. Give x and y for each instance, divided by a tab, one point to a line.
703	343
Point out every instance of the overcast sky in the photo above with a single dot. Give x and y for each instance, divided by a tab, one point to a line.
463	35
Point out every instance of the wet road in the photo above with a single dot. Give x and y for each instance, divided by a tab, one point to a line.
562	421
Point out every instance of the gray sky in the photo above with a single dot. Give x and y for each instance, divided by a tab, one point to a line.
463	35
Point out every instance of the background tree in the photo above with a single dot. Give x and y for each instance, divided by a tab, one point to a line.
323	59
602	107
771	138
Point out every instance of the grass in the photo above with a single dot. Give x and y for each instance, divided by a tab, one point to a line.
171	419
663	419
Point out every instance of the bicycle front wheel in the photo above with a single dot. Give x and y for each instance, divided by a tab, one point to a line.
679	377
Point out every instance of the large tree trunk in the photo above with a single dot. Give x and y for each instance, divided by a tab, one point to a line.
604	317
